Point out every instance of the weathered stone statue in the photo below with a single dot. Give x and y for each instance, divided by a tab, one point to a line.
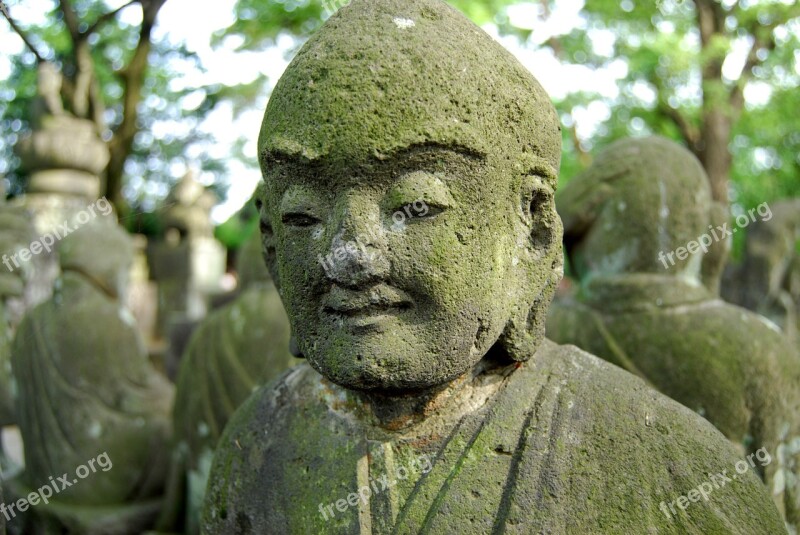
418	152
65	158
86	388
188	264
636	225
234	351
768	280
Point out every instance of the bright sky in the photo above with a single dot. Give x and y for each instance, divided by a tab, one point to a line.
184	21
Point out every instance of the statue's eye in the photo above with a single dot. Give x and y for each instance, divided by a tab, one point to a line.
294	219
419	209
416	210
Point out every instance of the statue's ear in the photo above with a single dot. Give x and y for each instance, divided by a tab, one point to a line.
539	214
267	235
540	273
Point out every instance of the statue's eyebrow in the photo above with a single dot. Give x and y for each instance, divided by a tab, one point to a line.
280	156
421	148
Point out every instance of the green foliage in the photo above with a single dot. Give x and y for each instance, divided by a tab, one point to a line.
659	42
258	23
168	116
147	223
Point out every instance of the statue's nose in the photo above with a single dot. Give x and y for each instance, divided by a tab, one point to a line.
357	255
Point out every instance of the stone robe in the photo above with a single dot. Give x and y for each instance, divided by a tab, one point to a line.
566	444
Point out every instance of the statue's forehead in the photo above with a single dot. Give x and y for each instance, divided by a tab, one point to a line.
349	139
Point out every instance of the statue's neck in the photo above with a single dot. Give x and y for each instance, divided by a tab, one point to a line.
395	412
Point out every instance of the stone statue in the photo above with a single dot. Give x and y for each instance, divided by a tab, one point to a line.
86	388
234	351
412	147
48	102
188	208
768	280
187	265
635	232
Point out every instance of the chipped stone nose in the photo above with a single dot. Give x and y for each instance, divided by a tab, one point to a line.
354	261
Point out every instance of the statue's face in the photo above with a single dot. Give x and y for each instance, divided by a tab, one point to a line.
406	157
397	272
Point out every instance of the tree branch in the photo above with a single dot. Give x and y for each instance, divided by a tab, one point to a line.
20	32
71	20
133	77
689	131
105	17
707	19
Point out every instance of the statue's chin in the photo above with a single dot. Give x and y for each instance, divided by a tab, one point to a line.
377	379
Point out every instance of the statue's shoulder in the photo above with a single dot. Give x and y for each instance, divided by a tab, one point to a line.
295	391
608	392
617	436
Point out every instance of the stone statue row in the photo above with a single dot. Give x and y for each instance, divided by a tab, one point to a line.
426	342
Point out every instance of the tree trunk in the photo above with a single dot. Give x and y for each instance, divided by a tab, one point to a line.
717	121
715	154
121	144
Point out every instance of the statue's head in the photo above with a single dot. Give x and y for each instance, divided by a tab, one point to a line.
102	252
410	164
639	198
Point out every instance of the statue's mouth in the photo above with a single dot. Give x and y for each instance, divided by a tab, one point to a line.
379	300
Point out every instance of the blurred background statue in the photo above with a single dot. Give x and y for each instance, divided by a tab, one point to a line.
86	388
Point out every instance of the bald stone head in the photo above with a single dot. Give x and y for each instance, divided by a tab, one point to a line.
408	218
639	198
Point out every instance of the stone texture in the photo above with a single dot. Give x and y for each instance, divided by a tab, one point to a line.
187	208
623	211
143	293
64	156
728	364
86	387
425	336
